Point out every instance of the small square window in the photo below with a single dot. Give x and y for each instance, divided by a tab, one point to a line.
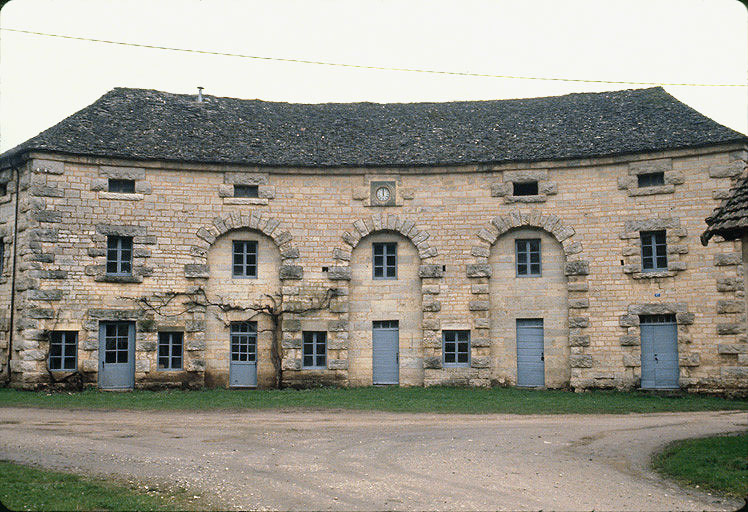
527	188
456	348
122	186
244	262
528	257
246	191
651	179
654	251
170	350
314	351
385	260
119	255
63	351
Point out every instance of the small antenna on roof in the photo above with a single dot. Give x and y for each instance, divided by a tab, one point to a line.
200	94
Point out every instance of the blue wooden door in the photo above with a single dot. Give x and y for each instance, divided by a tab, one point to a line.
660	368
385	338
116	355
530	353
243	357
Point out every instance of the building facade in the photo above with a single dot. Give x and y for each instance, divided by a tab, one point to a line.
145	264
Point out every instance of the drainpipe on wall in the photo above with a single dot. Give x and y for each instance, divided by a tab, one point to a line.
11	330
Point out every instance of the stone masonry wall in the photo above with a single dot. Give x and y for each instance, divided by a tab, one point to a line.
7	221
454	217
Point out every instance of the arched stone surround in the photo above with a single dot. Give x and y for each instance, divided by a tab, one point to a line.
257	221
199	271
576	271
430	272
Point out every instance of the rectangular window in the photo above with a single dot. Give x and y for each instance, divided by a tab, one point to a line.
3	189
456	348
170	350
385	260
246	191
528	188
244	341
63	350
2	255
528	257
315	350
116	342
119	255
651	179
122	186
245	258
654	251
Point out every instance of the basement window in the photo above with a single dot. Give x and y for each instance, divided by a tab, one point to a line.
528	188
246	191
122	186
651	179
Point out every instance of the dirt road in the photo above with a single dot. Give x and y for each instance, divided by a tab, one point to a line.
374	461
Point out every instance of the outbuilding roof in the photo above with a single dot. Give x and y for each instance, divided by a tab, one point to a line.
730	220
153	125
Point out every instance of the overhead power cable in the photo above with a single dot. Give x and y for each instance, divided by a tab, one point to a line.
362	66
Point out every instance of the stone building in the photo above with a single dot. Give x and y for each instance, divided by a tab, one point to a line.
537	242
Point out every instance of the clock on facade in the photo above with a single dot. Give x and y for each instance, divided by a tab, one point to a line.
383	194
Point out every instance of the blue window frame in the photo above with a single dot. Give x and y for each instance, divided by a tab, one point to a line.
314	350
245	259
119	255
456	348
385	260
170	350
528	257
244	341
63	351
654	251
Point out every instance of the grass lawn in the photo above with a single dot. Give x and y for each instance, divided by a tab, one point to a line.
432	399
27	488
711	463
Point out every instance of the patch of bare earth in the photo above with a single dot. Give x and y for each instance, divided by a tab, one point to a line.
343	460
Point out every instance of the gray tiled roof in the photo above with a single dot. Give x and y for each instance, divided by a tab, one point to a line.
730	220
147	124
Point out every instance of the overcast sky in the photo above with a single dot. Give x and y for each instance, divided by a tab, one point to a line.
45	79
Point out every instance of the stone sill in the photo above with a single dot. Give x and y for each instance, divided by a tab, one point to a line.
651	275
118	279
245	200
540	198
120	196
651	191
5	199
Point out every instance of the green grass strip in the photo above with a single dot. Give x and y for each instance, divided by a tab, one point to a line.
712	463
27	488
394	399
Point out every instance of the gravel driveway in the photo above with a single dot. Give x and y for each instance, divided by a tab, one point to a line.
342	460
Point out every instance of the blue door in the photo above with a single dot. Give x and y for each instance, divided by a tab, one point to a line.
530	353
385	338
659	352
116	355
243	361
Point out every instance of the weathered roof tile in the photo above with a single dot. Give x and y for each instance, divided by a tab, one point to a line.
147	124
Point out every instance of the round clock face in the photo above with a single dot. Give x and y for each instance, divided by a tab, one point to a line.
383	194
